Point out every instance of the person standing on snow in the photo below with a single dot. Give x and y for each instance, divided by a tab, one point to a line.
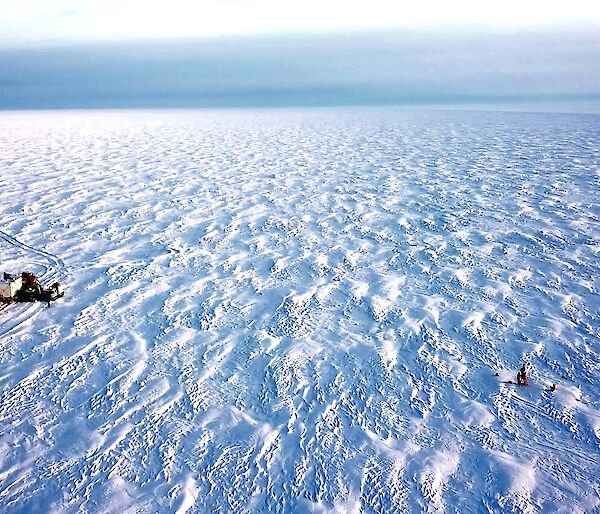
522	376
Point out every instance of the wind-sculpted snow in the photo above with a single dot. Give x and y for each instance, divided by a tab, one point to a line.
301	311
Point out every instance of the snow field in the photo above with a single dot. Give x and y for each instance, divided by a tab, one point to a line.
301	311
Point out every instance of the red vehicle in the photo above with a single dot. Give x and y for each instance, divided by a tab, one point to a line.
27	288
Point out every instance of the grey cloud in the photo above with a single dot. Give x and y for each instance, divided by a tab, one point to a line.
353	69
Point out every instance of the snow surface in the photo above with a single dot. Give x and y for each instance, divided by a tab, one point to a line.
301	311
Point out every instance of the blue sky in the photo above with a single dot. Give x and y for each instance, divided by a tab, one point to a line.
255	53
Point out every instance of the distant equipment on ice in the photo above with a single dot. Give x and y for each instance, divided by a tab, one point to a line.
27	288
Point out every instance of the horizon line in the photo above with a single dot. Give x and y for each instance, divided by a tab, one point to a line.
562	105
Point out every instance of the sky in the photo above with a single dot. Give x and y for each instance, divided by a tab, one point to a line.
245	53
111	20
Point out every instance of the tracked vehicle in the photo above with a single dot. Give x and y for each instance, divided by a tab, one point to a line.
27	288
